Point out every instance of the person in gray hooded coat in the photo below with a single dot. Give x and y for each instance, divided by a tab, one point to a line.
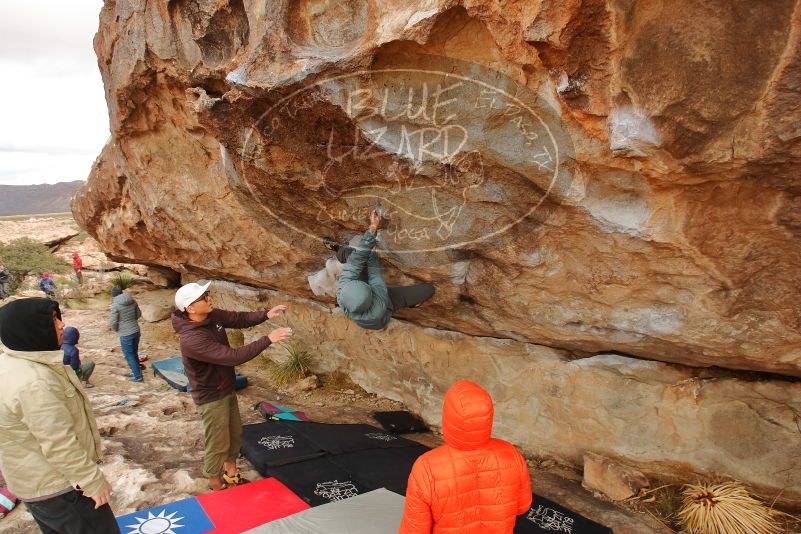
124	319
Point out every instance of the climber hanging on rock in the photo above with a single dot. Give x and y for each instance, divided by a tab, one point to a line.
361	291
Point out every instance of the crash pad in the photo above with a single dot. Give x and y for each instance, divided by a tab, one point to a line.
400	422
376	512
381	468
274	411
338	439
318	481
242	507
172	371
546	517
186	515
275	443
221	512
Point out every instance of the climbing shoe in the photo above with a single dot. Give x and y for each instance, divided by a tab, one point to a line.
235	480
330	244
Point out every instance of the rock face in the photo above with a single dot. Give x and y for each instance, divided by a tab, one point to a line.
597	176
668	421
591	176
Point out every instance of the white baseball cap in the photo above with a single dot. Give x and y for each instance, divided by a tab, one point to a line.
189	293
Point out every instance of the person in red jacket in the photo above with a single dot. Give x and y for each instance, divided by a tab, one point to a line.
474	484
209	365
77	266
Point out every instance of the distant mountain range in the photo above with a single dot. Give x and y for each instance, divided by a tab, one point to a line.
36	199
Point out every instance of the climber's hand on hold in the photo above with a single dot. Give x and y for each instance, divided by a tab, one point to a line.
375	220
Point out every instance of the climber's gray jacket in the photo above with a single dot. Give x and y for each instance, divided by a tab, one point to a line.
124	315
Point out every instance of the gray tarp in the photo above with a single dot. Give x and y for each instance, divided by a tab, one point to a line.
375	512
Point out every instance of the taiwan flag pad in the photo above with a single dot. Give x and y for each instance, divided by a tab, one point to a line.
229	511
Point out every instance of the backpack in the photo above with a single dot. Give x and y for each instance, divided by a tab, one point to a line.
7	501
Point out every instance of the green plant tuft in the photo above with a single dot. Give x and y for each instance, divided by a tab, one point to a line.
123	279
293	367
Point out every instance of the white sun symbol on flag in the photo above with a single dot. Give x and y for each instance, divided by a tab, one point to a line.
156	524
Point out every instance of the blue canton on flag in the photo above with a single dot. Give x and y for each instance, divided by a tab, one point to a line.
180	517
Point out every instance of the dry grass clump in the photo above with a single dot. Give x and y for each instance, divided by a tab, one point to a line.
338	380
725	508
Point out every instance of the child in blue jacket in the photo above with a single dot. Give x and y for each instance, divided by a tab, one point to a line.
72	356
47	285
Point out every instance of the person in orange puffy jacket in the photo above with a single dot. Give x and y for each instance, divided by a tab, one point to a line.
474	484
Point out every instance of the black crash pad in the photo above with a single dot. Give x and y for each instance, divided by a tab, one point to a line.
338	439
400	422
547	517
381	468
272	443
318	481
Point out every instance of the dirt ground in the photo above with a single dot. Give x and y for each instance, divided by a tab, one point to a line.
153	439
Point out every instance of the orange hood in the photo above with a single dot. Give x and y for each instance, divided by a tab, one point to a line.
467	416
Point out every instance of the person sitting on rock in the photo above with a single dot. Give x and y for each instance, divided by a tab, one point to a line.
472	483
72	356
361	291
209	363
47	285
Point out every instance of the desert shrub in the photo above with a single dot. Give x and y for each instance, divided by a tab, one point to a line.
124	279
23	256
294	366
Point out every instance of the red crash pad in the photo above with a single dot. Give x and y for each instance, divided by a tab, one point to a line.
247	506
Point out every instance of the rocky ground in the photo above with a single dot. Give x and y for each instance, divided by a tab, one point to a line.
153	444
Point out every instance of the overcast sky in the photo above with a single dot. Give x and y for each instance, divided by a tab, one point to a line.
53	118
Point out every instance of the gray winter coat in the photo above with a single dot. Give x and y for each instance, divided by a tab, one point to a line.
124	315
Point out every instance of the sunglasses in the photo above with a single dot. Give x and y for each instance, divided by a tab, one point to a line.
204	296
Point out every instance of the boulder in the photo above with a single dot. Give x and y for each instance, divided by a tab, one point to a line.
165	278
154	313
308	383
616	481
558	176
156	305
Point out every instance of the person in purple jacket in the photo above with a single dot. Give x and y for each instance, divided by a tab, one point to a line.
209	365
72	356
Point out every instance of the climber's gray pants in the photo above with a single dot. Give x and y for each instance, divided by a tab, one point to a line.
401	297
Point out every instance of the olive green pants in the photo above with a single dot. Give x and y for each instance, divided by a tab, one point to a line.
223	432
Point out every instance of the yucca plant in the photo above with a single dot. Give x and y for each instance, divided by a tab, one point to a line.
725	508
293	367
123	279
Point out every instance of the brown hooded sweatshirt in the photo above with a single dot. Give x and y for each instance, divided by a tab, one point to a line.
208	358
